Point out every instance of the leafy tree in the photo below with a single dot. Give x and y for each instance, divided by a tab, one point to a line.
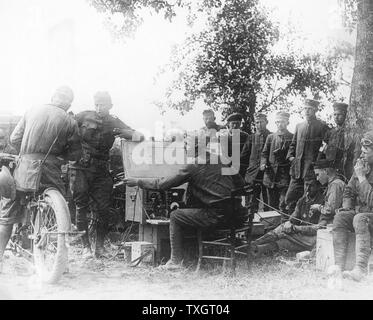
232	63
233	66
360	116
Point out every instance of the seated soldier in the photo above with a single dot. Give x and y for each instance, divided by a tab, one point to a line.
313	211
211	190
356	215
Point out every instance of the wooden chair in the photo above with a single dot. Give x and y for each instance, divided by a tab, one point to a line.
227	238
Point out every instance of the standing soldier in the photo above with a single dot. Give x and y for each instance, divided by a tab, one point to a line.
342	147
234	121
276	167
250	161
303	151
89	177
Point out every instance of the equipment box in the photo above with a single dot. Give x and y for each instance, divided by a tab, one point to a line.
134	250
325	250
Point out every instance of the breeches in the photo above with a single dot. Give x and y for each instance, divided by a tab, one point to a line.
91	191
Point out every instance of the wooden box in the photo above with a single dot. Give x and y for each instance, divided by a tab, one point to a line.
157	232
270	219
325	250
135	249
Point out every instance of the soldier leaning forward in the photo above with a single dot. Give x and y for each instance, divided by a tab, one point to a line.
276	167
313	211
90	178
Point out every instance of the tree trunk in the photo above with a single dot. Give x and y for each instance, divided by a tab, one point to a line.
360	115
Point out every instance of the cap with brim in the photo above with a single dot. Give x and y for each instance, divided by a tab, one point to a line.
340	106
312	103
235	117
260	116
282	115
367	140
102	97
323	164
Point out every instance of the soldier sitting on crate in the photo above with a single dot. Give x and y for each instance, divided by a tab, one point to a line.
211	191
313	211
356	215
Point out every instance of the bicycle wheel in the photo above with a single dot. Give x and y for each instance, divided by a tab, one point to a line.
49	247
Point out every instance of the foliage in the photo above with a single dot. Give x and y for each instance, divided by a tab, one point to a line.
349	13
232	65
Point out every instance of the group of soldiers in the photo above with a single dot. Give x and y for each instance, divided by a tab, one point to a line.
48	134
316	177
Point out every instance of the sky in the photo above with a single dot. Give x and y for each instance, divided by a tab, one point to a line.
47	43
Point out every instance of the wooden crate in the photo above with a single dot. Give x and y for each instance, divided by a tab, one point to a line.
325	250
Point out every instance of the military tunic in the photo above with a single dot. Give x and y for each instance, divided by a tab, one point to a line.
250	164
343	148
276	175
90	178
304	147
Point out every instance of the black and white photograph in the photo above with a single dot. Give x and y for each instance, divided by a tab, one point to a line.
195	152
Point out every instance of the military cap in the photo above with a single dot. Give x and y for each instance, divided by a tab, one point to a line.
260	116
367	140
235	117
102	97
282	115
312	103
323	164
340	106
208	111
64	95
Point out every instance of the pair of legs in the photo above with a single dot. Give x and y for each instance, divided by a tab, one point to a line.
276	198
182	219
96	185
278	239
258	190
360	223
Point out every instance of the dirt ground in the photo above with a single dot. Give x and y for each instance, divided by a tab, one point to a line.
276	277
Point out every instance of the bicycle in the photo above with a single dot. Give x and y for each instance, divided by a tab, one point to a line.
42	236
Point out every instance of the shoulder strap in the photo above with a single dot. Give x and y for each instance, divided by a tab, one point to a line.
53	143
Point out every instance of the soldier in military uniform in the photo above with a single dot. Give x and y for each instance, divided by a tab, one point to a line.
89	177
314	210
209	120
250	162
273	162
356	215
303	151
235	138
342	147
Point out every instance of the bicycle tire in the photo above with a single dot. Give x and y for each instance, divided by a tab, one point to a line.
49	266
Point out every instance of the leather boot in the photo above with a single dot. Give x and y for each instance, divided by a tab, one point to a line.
268	237
362	257
176	241
259	250
5	233
100	251
340	243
